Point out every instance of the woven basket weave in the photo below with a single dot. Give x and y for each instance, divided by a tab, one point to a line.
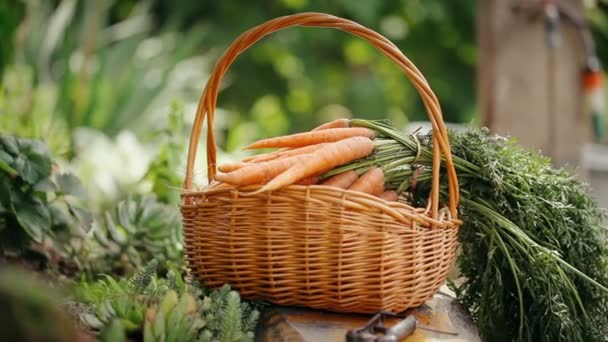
320	246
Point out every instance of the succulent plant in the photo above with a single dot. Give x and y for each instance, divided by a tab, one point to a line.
138	228
164	309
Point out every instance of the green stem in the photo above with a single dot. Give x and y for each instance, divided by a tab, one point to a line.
6	168
512	228
515	272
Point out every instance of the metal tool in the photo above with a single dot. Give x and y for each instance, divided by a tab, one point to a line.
375	331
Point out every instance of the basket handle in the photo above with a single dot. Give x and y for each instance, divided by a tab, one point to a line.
208	100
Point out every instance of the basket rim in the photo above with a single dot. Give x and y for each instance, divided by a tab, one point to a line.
401	212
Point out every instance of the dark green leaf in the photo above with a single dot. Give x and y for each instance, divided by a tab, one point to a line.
9	144
6	189
32	161
11	236
5	161
33	217
117	233
70	185
127	211
59	215
84	216
45	185
101	237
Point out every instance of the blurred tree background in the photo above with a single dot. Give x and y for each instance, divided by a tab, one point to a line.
299	77
112	66
110	60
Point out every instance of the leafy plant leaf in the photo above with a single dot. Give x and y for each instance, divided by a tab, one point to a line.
117	233
33	163
140	282
84	216
70	185
126	214
60	217
231	318
33	216
91	321
5	161
114	332
45	185
9	144
31	200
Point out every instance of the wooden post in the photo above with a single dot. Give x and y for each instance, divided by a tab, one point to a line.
527	90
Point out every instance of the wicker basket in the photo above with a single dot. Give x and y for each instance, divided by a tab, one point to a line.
320	246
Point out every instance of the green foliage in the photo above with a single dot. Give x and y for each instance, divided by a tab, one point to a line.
162	172
28	110
175	319
142	280
554	209
112	64
114	332
597	16
165	309
106	71
34	201
300	75
228	319
10	15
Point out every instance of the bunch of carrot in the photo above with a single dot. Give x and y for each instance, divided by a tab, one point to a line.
304	159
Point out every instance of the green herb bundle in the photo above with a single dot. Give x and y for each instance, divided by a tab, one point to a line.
534	257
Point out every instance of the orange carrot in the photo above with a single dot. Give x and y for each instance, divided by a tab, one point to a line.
389	196
257	173
288	153
261	157
371	182
338	123
322	160
310	180
256	158
229	167
314	137
342	180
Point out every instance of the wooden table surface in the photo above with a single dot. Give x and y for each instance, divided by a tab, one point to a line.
441	319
